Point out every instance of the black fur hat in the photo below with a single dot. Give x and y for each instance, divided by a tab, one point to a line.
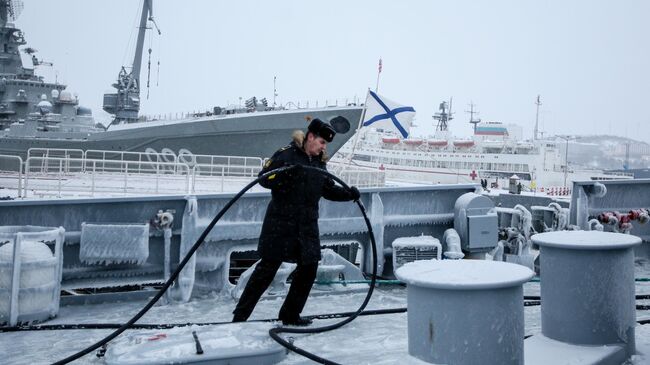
321	129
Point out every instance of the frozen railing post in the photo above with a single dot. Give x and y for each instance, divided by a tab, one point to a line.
587	287
465	311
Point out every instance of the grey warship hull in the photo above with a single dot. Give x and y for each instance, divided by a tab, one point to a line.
256	134
39	114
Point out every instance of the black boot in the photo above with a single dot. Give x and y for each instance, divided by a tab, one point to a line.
237	318
298	321
298	293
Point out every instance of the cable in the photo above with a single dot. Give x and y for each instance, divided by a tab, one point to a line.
198	243
274	332
101	326
174	275
528	301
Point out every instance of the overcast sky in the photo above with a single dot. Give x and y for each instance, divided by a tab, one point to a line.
589	60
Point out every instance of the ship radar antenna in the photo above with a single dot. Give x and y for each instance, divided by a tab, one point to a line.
10	11
444	116
275	91
471	115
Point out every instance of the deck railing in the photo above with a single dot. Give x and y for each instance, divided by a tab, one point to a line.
72	172
12	173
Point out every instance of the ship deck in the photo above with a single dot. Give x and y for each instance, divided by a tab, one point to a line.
377	339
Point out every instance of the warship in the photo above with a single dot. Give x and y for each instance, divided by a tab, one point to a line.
39	114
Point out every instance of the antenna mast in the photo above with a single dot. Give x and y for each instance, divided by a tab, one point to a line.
471	115
538	103
443	117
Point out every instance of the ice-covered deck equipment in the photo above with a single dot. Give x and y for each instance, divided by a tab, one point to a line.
30	273
465	311
156	245
587	290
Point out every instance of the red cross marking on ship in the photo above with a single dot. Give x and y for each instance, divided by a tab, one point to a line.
473	175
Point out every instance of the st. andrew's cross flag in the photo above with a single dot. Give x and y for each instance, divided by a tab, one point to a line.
386	114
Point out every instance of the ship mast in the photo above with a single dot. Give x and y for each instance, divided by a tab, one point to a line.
471	116
443	117
10	60
9	10
125	104
538	103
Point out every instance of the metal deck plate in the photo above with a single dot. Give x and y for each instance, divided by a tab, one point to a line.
240	343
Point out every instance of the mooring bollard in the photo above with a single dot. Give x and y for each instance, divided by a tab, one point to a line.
465	312
587	287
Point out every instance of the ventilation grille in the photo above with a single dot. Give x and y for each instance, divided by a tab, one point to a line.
405	255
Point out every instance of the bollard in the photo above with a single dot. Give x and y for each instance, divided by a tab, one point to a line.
465	311
587	287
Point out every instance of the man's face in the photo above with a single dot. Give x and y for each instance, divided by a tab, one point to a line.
315	145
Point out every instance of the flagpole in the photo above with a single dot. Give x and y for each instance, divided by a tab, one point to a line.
378	73
356	133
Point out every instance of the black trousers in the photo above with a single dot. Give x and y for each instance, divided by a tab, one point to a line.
262	276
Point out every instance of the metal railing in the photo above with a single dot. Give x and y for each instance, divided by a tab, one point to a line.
11	171
90	176
55	172
150	156
241	108
55	152
358	176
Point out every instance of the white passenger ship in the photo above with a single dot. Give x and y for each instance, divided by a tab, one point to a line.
495	152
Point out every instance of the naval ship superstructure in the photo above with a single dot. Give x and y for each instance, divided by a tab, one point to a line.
38	114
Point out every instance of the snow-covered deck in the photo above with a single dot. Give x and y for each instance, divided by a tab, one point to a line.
377	339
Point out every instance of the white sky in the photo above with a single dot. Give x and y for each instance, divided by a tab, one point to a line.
589	60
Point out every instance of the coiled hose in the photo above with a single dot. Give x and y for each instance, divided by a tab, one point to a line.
274	332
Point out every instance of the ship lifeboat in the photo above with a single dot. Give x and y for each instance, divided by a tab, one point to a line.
525	146
413	142
492	144
463	144
437	143
390	140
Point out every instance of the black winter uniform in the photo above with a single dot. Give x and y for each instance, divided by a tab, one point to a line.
290	229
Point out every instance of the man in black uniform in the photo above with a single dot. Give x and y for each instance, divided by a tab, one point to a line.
290	228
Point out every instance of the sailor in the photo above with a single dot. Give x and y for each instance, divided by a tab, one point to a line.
290	228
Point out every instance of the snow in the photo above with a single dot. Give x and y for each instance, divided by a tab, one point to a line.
38	266
416	241
367	340
540	350
463	274
37	273
29	251
177	344
586	240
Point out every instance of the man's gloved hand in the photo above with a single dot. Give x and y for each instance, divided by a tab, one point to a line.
354	193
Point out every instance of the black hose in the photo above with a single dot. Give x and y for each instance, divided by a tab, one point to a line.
274	332
175	274
530	300
150	326
195	247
